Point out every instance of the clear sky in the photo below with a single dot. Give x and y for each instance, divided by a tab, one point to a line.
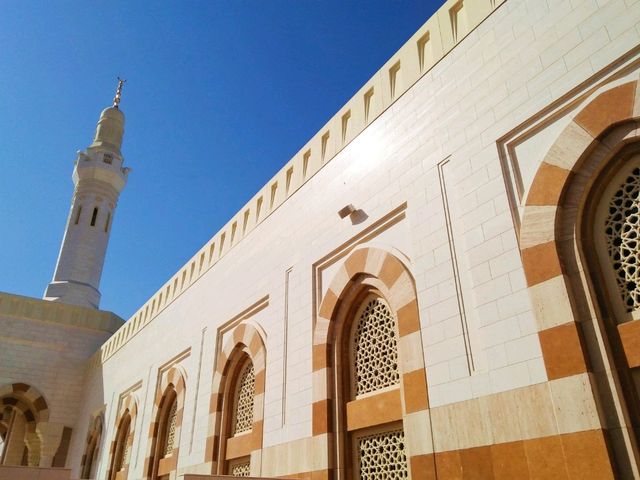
220	94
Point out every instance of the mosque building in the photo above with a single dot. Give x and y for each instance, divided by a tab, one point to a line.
451	288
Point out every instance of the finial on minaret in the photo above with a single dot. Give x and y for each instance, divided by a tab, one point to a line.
116	99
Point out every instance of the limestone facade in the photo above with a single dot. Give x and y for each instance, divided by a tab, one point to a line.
444	273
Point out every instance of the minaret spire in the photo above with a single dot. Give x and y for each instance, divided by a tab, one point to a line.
116	99
98	177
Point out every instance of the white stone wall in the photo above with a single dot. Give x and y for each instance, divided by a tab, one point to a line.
440	135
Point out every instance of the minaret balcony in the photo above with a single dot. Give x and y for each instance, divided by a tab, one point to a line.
95	168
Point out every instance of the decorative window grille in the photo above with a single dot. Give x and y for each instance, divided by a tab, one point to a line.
382	456
375	349
245	391
171	430
241	469
622	235
126	452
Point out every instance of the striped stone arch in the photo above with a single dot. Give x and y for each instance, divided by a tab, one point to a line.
128	406
245	339
92	446
29	399
596	134
386	274
171	381
23	407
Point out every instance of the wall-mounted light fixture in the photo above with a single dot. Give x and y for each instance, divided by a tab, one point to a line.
346	211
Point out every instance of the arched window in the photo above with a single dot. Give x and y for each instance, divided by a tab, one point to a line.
78	213
240	414
236	427
170	434
94	216
243	400
616	236
164	445
371	373
89	459
122	452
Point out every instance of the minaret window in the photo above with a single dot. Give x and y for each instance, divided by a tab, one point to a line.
106	224
107	158
94	217
79	211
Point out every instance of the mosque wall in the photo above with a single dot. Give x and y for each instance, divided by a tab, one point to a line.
427	181
460	224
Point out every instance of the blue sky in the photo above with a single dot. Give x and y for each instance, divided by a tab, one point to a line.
219	96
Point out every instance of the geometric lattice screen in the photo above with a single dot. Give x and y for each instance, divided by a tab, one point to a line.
622	233
245	391
241	469
126	454
375	349
171	429
382	456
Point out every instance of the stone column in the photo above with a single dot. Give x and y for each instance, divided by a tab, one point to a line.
50	435
32	441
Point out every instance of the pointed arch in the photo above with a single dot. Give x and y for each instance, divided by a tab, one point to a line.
245	345
122	443
366	272
92	448
164	432
559	256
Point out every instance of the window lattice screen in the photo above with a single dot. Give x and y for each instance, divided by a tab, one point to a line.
382	456
126	452
622	232
243	418
241	469
375	349
171	430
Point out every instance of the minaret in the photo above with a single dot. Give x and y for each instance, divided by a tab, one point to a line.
98	177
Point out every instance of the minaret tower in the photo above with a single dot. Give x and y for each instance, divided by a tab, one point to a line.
98	177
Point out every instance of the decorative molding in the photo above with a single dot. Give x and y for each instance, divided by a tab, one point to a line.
372	231
454	265
285	356
565	105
